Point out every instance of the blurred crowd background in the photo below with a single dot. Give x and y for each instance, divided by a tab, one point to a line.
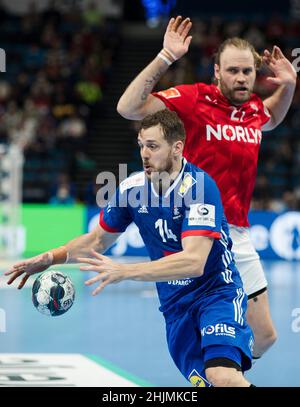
64	76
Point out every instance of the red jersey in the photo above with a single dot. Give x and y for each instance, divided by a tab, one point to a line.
221	139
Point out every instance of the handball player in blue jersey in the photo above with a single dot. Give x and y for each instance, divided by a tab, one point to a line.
178	211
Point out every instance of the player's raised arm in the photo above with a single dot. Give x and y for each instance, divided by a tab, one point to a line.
137	101
285	77
98	240
187	263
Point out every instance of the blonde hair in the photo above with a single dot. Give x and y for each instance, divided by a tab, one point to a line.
241	44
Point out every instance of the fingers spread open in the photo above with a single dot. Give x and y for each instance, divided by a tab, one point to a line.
99	288
23	281
170	25
16	267
88	268
186	30
96	254
93	280
176	23
14	276
268	58
278	53
7	273
94	262
183	26
273	80
273	51
187	41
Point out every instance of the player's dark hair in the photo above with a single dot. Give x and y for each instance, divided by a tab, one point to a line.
238	43
170	123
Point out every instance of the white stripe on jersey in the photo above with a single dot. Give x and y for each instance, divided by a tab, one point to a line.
240	305
227	276
227	256
236	311
224	235
230	275
224	275
237	303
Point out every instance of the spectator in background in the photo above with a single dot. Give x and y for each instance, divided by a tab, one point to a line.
62	192
24	132
262	194
5	91
47	132
72	133
62	107
89	93
290	201
12	115
92	16
59	65
72	137
63	196
41	91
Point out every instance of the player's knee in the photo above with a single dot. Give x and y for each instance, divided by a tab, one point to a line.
223	376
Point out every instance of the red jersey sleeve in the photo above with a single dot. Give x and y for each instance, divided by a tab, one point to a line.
181	99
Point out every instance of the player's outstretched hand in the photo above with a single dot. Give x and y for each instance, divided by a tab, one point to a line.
30	266
176	37
285	73
108	271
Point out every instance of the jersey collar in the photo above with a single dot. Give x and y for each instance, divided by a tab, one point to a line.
223	99
174	183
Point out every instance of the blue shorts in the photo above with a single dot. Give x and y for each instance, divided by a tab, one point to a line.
213	324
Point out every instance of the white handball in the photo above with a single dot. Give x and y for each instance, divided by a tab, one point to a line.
53	293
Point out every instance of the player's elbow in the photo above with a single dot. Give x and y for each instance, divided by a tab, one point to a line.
125	111
276	118
271	124
122	109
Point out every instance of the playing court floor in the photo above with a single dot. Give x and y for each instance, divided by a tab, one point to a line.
123	329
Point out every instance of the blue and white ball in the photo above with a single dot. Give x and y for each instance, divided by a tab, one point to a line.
53	293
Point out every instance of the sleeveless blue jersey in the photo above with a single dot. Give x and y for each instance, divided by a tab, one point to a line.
190	207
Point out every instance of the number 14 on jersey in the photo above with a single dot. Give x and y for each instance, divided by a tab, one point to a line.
165	233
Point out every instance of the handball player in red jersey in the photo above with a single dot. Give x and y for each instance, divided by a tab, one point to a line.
224	125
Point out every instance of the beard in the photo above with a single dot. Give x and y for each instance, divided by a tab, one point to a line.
237	95
159	172
163	176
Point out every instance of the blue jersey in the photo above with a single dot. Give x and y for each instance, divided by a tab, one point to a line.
190	207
